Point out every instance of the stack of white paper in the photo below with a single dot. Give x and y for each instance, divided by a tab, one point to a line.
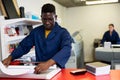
26	72
98	68
107	44
117	66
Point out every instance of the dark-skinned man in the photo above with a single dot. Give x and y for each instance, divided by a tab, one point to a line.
52	42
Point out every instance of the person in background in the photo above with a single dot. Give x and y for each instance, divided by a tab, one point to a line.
111	35
52	42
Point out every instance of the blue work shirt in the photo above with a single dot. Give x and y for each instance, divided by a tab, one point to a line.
114	38
56	46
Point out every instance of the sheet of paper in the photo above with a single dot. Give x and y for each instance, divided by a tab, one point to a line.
14	70
26	72
46	75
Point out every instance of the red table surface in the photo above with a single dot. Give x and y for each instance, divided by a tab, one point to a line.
65	75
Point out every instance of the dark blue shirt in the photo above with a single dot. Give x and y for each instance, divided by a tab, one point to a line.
114	38
56	46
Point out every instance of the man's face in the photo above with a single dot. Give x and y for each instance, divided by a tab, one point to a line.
48	20
111	28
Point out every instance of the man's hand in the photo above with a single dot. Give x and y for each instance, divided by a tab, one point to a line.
42	66
7	61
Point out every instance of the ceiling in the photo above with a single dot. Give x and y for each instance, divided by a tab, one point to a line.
74	3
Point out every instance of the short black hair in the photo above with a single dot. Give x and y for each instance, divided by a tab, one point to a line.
48	8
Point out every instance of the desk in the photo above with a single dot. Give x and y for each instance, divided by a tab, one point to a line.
65	75
107	54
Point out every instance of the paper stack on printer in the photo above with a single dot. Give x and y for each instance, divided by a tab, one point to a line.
26	72
98	68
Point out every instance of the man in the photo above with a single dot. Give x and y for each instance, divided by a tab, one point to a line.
52	42
111	35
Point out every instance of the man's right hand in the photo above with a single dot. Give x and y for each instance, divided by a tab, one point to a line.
7	61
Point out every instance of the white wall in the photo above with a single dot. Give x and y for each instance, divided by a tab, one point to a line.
35	7
93	22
